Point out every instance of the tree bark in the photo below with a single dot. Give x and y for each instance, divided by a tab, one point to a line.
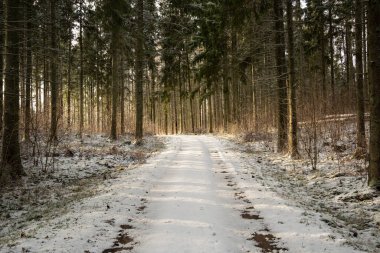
28	76
253	72
323	70
281	75
226	96
292	135
255	101
69	82
45	77
360	124
349	61
115	80
210	113
122	98
98	97
139	72
365	55
98	94
374	78
153	99
54	74
191	97
37	88
11	167
81	75
332	53
2	56
234	78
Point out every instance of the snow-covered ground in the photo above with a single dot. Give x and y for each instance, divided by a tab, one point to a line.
75	169
337	190
201	194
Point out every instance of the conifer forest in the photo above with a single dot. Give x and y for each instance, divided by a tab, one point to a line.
190	126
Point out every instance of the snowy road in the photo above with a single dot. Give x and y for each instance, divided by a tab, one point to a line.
192	208
195	196
206	201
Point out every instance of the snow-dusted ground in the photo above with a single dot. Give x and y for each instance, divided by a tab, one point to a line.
73	171
196	196
337	190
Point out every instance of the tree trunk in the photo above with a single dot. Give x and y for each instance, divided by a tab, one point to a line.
28	76
2	56
323	70
115	80
98	97
292	135
349	64
139	72
281	74
69	83
46	78
191	100
374	78
175	115
360	124
153	96
81	88
181	113
332	52
365	55
226	95
11	167
210	115
234	78
90	104
253	72
255	98
54	74
122	98
37	88
166	123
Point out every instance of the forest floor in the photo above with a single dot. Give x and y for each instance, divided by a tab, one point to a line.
336	190
60	176
200	194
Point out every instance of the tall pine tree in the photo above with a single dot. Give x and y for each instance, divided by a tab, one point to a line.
11	167
374	76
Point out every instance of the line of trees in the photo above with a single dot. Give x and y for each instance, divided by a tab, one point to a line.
176	66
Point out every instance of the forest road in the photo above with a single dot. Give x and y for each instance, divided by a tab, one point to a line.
196	206
199	194
207	200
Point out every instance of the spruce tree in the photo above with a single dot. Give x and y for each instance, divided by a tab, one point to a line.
11	167
374	78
